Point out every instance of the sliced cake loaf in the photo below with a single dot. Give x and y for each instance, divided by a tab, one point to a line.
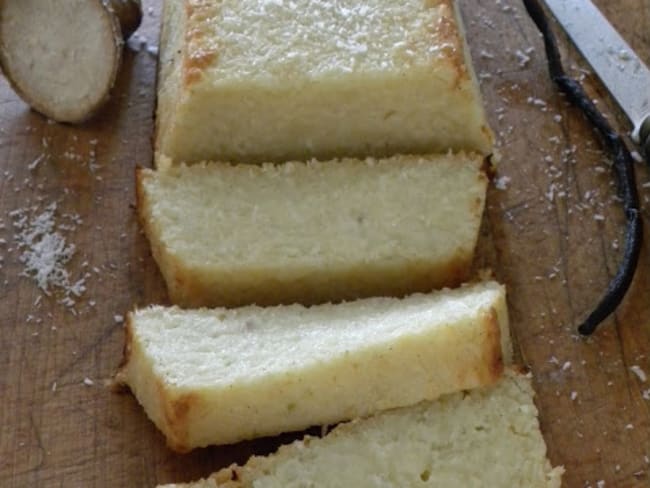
277	80
220	376
314	232
483	438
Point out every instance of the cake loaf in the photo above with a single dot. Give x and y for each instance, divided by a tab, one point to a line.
484	438
221	376
314	232
259	80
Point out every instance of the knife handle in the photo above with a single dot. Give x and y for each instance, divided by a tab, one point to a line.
644	137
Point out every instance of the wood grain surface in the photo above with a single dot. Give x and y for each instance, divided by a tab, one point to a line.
553	234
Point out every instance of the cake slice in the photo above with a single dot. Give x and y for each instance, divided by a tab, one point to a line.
277	80
483	438
314	232
221	376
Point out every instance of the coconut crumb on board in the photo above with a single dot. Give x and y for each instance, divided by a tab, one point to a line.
34	164
636	156
152	50
138	42
574	186
523	57
636	369
39	234
502	182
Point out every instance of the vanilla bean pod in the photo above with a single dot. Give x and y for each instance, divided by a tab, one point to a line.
623	166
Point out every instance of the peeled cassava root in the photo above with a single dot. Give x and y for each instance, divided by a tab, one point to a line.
62	56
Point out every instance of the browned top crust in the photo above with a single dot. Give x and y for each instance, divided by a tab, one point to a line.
438	41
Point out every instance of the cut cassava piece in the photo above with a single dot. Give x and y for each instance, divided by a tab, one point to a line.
62	57
314	232
224	375
258	80
486	438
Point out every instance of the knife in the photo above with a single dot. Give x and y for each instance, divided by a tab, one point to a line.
623	73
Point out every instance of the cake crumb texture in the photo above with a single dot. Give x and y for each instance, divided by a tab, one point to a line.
486	437
312	232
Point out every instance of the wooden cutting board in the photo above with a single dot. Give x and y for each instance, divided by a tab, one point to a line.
553	234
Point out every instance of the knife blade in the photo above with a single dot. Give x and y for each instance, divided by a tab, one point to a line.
624	74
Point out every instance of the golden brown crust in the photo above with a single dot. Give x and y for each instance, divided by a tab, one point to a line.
195	54
174	420
187	289
169	76
448	33
465	70
176	413
200	51
488	366
119	383
140	201
488	134
142	209
488	168
493	349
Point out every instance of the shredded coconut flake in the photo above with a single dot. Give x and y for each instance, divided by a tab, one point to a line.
639	373
152	50
45	250
522	57
32	166
502	182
